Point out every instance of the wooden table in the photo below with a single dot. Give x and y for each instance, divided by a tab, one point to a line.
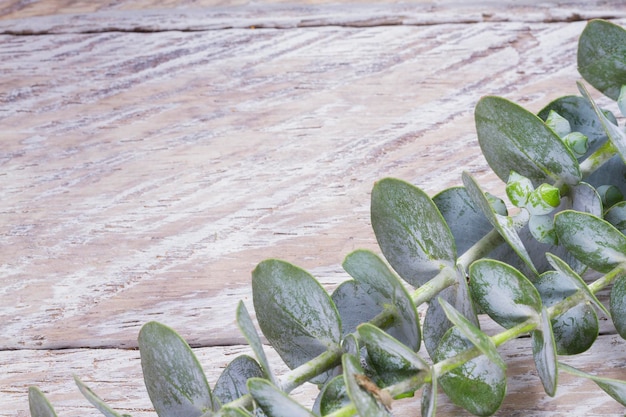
154	152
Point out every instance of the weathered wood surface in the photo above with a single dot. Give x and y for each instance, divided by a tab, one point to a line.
145	174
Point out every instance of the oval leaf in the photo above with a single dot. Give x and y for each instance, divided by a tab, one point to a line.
410	231
354	304
514	139
273	401
618	305
364	394
392	360
246	326
544	353
386	289
593	241
614	387
576	329
478	385
173	376
95	400
232	382
333	396
38	404
295	313
602	56
507	296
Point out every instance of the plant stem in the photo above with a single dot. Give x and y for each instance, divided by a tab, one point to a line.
480	249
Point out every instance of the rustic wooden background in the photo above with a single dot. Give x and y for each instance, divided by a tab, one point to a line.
153	152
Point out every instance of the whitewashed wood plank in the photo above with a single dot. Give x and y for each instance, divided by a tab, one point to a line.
147	174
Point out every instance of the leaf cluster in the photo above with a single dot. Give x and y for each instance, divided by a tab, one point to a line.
460	252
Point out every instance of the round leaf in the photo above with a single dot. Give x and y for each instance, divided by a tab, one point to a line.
602	56
354	304
173	376
244	321
507	296
333	396
410	231
295	313
273	401
514	139
593	241
618	305
363	396
478	385
544	353
232	382
386	289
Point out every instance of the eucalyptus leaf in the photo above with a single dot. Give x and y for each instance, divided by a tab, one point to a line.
231	384
544	353
295	313
564	269
383	286
38	404
392	360
234	412
333	396
611	172
410	231
354	304
602	56
513	139
618	305
273	401
95	400
507	296
576	329
246	326
506	226
478	385
616	135
366	398
616	215
466	221
592	240
473	334
173	376
429	397
614	387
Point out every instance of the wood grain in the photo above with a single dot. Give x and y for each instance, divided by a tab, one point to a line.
145	174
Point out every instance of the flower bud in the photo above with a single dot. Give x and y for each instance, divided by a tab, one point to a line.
543	200
577	143
559	124
518	188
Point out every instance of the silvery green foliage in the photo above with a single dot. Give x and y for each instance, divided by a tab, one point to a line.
460	252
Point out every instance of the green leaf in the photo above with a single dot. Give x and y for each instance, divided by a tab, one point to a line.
506	226
616	215
507	296
544	353
473	334
231	384
38	404
467	223
564	269
616	135
95	400
234	412
602	56
429	397
559	124
273	401
593	241
295	313
365	400
392	360
246	326
618	305
514	139
354	304
383	286
173	376
576	329
614	387
333	396
478	385
410	231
